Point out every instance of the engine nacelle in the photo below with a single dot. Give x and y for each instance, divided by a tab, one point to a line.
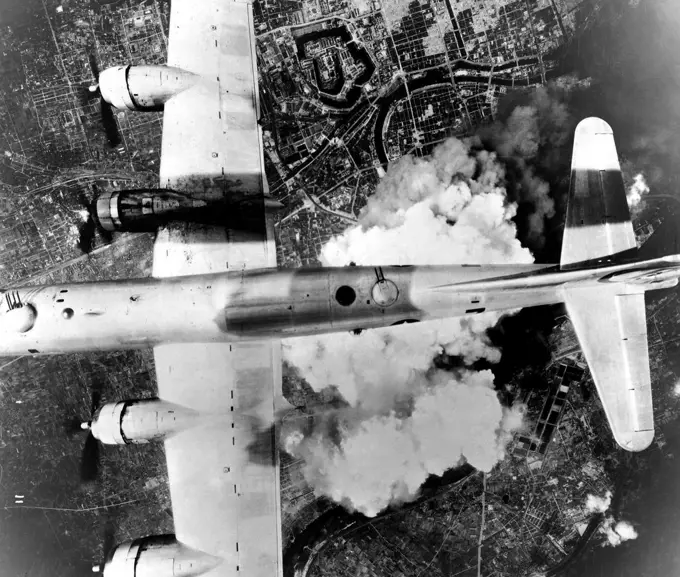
140	421
146	210
158	556
145	88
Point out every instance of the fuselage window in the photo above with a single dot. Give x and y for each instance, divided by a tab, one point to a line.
345	295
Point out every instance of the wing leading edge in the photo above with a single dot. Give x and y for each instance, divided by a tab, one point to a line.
598	221
611	326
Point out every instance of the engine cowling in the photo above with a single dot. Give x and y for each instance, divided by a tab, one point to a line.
144	88
157	556
140	421
146	210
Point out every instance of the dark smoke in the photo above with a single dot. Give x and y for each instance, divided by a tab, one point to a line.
625	69
533	135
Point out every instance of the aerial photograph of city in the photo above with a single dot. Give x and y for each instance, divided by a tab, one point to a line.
328	170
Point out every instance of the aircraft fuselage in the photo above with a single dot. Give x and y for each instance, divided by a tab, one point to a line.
279	303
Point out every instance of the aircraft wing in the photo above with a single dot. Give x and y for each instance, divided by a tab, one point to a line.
598	221
611	326
223	474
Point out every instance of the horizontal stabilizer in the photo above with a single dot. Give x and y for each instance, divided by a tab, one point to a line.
598	221
611	327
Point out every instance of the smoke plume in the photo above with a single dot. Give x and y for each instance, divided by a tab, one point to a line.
636	191
617	533
676	389
449	208
405	420
374	459
595	504
532	137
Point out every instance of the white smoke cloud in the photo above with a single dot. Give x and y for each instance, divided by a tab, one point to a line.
385	458
482	234
595	504
617	533
83	213
409	218
625	530
636	191
376	367
405	420
676	389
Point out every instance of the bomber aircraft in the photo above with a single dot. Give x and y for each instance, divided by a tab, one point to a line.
216	306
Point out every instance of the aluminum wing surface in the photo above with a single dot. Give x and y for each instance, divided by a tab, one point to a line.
223	474
598	221
610	324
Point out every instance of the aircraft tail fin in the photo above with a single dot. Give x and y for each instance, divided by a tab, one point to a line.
665	240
